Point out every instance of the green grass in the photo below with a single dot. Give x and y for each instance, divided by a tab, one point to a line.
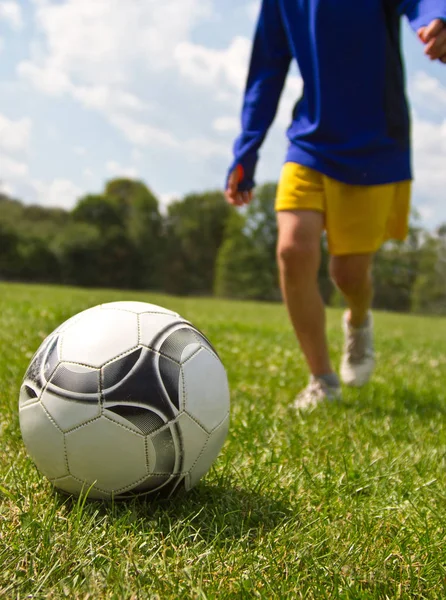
346	502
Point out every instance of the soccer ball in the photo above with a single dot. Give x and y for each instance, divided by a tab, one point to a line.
123	399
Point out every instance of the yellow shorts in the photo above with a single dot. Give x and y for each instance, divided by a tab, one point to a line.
358	218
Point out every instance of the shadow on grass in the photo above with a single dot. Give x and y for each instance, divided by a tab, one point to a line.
210	510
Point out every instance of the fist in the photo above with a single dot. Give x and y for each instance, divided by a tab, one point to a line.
434	38
233	196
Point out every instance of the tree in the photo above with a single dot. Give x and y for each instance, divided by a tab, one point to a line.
394	274
24	233
138	212
97	210
242	265
36	260
9	257
396	268
429	290
194	233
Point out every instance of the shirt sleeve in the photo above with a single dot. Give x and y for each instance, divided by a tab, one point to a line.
422	12
269	65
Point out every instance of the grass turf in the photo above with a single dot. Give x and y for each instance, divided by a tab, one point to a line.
348	501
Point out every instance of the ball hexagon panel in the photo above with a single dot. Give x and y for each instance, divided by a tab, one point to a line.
195	439
214	445
151	325
99	336
106	454
160	485
168	458
206	389
69	414
135	379
70	485
69	322
139	418
137	307
71	380
170	374
29	393
183	341
43	440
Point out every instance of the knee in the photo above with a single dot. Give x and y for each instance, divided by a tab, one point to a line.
296	259
347	279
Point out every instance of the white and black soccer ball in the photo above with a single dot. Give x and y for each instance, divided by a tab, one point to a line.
123	399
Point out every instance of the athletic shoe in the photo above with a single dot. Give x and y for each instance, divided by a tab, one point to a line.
358	360
317	391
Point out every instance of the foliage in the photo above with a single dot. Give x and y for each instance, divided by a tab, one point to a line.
194	233
429	290
244	269
120	239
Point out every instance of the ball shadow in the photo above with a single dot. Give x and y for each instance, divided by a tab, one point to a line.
209	510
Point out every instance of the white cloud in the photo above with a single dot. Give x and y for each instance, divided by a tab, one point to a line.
14	135
103	43
46	79
225	72
142	134
226	124
145	135
201	148
117	170
11	168
96	52
428	92
11	13
215	68
101	97
429	142
54	82
253	9
98	41
7	189
291	94
2	44
62	193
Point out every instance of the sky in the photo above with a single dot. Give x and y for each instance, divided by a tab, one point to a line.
152	89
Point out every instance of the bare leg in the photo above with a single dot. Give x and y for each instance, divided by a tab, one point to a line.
352	275
298	255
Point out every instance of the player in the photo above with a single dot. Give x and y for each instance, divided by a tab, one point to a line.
348	166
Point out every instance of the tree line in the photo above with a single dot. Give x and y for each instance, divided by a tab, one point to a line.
200	246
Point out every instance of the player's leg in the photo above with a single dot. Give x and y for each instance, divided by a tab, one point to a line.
300	209
352	275
298	256
358	220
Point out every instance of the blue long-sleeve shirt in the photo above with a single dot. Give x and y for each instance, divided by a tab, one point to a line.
352	122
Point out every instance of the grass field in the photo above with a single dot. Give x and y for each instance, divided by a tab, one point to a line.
348	501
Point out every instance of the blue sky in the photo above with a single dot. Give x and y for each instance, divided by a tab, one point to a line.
93	89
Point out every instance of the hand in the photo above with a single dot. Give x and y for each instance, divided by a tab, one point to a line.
233	196
434	37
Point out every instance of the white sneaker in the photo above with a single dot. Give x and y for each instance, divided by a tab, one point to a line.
358	360
317	391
